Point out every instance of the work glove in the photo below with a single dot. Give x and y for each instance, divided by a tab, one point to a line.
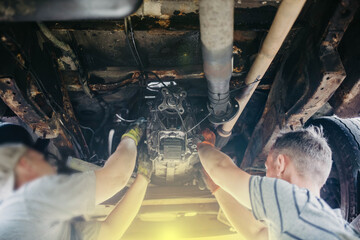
145	168
208	137
213	187
136	130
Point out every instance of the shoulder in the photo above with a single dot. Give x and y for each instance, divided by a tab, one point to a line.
272	184
275	192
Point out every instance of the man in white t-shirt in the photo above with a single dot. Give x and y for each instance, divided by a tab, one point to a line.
37	203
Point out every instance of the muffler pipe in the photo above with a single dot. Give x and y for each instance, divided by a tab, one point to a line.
217	34
285	18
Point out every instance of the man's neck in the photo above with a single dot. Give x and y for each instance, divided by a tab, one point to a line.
303	183
313	189
22	180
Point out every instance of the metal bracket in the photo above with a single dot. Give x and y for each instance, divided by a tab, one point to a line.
228	116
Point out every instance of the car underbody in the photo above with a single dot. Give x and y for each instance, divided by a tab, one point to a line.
81	80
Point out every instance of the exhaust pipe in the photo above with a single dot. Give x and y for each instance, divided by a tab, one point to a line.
285	17
217	34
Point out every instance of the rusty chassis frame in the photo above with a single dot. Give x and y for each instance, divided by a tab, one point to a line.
22	91
319	75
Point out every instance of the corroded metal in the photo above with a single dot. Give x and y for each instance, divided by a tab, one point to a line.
37	107
41	124
347	98
71	121
322	75
131	76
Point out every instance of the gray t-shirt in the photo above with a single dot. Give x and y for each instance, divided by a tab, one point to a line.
295	213
46	208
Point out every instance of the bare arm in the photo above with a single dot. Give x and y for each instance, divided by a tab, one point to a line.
240	217
225	173
125	211
117	171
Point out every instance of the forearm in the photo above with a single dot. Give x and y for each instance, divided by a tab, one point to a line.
225	173
240	217
125	211
122	161
212	159
117	170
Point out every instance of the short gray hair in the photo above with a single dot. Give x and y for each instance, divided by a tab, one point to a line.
308	150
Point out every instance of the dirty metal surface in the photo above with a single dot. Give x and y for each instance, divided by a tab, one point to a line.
168	8
34	99
347	98
256	3
70	120
275	118
41	124
117	78
251	19
317	80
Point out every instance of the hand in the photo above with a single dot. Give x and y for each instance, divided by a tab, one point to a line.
141	122
208	138
145	168
136	130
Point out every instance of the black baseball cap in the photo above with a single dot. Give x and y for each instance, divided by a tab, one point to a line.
15	134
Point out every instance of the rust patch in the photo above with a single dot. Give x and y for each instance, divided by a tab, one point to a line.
244	36
276	117
237	50
72	82
71	121
238	69
42	125
165	23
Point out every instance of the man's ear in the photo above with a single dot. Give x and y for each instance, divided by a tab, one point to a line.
281	162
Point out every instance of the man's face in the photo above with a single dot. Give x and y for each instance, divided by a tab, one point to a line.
38	165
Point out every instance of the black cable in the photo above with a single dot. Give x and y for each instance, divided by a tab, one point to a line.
202	120
137	59
132	44
92	133
244	86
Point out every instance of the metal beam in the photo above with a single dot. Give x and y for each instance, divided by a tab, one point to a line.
317	78
346	100
43	125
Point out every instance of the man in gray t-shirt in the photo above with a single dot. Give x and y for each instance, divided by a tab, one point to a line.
36	203
285	204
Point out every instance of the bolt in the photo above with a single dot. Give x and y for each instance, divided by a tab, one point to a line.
223	120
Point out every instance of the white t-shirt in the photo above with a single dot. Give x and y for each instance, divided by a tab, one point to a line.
46	208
